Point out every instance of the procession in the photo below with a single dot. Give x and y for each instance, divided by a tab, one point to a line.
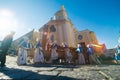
56	42
55	54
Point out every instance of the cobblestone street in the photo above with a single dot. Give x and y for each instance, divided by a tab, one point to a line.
59	72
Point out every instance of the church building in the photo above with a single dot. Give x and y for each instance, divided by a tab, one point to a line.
61	29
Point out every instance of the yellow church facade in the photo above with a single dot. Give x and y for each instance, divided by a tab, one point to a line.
86	36
61	29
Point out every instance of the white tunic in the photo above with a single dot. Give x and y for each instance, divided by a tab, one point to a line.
68	55
38	56
54	54
22	56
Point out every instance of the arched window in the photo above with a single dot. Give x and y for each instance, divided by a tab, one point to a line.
80	37
59	17
52	28
45	27
52	38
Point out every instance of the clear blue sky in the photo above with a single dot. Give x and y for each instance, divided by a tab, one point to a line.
100	16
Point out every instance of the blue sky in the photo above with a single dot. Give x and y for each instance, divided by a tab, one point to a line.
100	16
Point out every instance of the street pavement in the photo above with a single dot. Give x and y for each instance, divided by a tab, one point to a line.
59	71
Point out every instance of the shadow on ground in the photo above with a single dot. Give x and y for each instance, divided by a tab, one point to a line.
13	73
54	65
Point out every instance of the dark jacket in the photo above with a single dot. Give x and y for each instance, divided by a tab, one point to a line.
6	43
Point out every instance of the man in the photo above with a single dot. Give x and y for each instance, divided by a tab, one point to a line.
6	43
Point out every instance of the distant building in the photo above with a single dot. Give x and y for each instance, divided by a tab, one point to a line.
32	36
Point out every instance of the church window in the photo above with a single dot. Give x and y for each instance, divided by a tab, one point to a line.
52	38
45	27
59	17
52	28
80	37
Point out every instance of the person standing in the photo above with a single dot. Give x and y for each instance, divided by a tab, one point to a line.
38	55
68	55
54	54
117	55
22	52
81	59
92	57
6	43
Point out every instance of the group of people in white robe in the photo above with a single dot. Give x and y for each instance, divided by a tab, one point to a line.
90	51
24	46
39	56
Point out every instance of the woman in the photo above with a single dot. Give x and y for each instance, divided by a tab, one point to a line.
54	54
22	52
38	56
81	59
68	55
92	57
22	56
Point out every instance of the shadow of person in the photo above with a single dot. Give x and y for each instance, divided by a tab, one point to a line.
13	73
54	65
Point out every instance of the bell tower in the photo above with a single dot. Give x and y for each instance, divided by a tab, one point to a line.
61	14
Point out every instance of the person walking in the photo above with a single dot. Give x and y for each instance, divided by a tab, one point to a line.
6	43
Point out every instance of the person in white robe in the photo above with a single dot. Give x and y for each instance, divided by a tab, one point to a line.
38	55
22	52
22	56
68	55
54	54
92	56
81	59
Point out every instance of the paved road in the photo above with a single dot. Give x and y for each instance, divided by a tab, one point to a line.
59	72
